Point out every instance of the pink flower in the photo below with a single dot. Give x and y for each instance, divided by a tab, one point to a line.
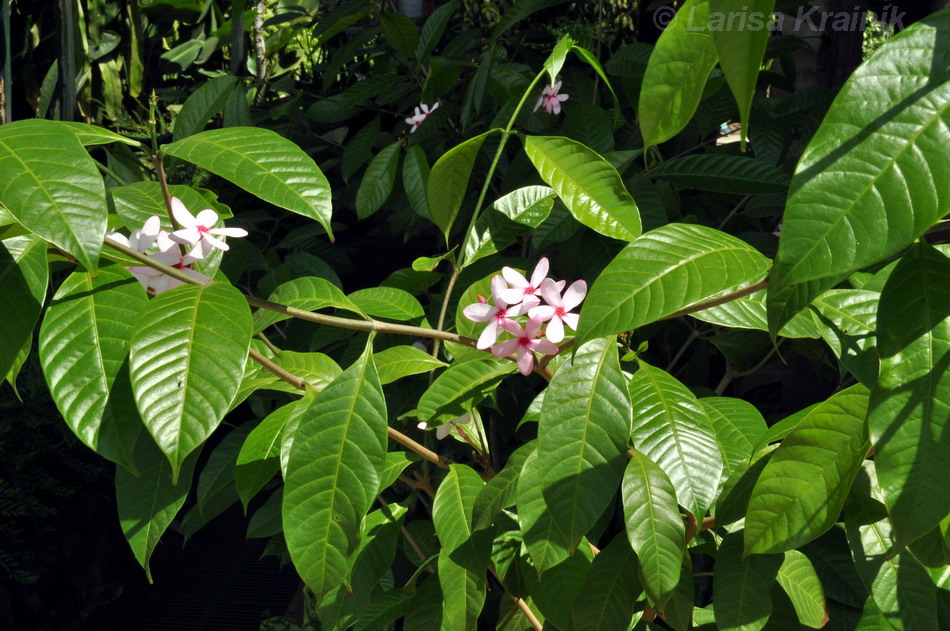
168	254
197	231
422	112
778	230
522	290
525	342
557	311
495	315
550	99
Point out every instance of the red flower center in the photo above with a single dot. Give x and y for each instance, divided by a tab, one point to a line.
560	312
501	314
203	229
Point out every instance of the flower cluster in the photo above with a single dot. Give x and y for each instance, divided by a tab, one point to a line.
550	99
196	232
514	295
423	112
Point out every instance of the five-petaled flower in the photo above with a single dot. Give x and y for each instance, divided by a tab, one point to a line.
550	99
495	315
522	290
423	112
141	240
197	231
526	342
557	312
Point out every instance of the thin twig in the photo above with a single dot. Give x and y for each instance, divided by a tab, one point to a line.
721	300
526	610
734	211
689	340
289	377
412	445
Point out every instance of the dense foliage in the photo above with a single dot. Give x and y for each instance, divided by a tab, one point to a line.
528	426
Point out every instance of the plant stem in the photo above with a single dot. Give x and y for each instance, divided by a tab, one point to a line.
412	445
721	300
289	377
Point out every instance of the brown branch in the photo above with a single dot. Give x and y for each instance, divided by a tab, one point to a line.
298	382
412	445
721	300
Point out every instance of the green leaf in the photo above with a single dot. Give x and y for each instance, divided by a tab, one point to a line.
654	527
590	188
908	421
671	428
723	174
377	182
750	312
664	271
401	361
383	610
738	425
679	65
461	387
135	203
88	135
803	487
608	596
510	217
216	484
202	105
452	507
499	492
869	182
415	179
53	188
396	463
187	359
264	164
543	537
84	350
259	457
266	520
448	181
741	586
358	149
582	437
741	48
308	293
149	501
798	578
555	60
316	369
463	593
400	32
848	318
332	475
433	29
555	592
24	275
387	302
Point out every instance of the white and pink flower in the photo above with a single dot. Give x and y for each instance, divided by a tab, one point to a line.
197	231
525	343
422	112
557	312
495	315
550	99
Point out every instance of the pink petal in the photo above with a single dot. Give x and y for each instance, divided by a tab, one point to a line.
557	86
574	295
410	121
562	97
187	236
443	430
540	271
148	272
529	302
513	327
488	336
555	330
545	347
230	232
571	320
497	286
550	293
181	214
543	313
510	296
525	361
538	104
196	275
533	327
560	285
504	349
479	312
556	106
221	245
142	278
118	237
198	253
207	218
514	277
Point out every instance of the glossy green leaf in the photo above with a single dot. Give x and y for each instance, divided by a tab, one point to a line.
555	60
556	591
544	538
387	302
433	29
425	608
358	149
742	585
803	487
664	271
499	492
723	174
847	318
608	597
84	350
396	463
901	588
750	312
654	527
679	609
415	180
582	437
265	522
216	484
377	182
461	387
679	65
53	188
308	293
798	578
149	501
590	188
448	181
400	32
259	457
463	593
740	45
908	419
24	275
333	474
264	164
738	425
316	369
510	217
383	610
135	203
452	508
671	428
186	363
869	182
401	361
198	109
